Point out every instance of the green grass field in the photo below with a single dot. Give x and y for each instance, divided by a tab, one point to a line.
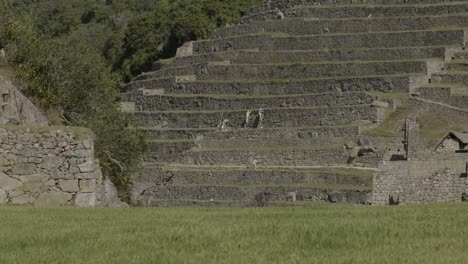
320	233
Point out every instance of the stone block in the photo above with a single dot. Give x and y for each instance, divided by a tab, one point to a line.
3	197
28	152
85	200
9	184
24	169
127	107
38	177
61	175
15	193
4	162
32	187
87	186
88	166
51	162
88	176
53	199
23	199
69	185
88	144
83	153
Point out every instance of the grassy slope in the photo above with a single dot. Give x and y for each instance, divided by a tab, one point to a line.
318	234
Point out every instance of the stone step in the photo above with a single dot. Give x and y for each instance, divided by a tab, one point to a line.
348	25
261	176
354	11
232	102
307	56
382	83
265	42
172	194
272	118
260	134
300	70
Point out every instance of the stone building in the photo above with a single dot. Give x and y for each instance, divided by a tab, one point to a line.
439	175
453	142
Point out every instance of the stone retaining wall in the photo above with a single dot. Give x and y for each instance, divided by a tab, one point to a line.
165	103
368	40
356	25
48	166
255	57
425	179
351	84
273	118
353	11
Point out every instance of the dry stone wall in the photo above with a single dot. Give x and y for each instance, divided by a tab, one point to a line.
48	167
425	179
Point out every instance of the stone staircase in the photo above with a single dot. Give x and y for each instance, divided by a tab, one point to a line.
273	110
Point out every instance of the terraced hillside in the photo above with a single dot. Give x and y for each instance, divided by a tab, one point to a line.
299	101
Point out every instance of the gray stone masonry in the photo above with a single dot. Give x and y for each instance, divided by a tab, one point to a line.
369	40
258	57
348	25
336	11
291	86
424	179
48	167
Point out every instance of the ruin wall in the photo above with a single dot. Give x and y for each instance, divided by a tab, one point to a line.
427	178
48	166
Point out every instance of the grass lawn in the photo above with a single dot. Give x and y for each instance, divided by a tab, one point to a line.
319	233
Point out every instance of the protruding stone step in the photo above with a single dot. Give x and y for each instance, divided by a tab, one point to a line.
340	26
293	117
356	40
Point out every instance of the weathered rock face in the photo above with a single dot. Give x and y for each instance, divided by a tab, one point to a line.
48	167
16	108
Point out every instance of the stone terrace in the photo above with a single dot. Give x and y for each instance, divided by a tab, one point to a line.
273	109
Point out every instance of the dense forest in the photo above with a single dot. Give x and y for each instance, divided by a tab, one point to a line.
72	56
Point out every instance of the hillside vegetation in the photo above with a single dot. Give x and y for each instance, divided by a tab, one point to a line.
72	56
321	233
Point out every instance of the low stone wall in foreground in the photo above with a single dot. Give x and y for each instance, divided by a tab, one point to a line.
48	166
